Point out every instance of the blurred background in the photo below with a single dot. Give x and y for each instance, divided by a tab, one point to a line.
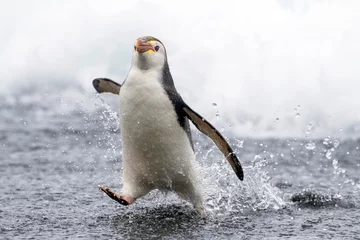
273	68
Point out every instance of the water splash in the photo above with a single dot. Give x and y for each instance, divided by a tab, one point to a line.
225	193
313	198
310	145
326	141
328	154
309	129
110	116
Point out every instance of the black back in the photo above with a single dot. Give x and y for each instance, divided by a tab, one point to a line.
176	100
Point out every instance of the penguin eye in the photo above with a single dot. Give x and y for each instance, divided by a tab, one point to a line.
157	48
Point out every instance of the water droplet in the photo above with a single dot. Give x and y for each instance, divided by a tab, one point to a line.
336	143
310	146
25	123
309	127
335	163
326	141
217	115
328	154
214	104
341	129
297	115
277	119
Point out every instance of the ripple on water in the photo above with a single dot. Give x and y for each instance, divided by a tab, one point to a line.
52	172
316	199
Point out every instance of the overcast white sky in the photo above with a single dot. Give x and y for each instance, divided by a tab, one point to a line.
258	60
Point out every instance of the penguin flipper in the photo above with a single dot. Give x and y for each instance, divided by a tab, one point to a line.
209	130
102	85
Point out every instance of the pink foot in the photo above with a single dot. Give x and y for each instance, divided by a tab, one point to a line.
122	199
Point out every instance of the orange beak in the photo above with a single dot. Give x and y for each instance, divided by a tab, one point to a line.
142	46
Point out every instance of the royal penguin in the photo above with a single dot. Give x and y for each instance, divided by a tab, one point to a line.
157	146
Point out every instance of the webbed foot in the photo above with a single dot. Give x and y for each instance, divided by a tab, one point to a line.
120	198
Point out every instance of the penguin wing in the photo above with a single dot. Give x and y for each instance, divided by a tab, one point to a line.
106	85
209	130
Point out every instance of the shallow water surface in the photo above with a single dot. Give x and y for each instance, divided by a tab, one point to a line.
53	162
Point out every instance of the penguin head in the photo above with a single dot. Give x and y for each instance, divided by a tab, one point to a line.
149	53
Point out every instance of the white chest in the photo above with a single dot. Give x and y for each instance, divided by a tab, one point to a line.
147	116
154	144
144	103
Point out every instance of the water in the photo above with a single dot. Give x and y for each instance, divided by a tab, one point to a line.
56	152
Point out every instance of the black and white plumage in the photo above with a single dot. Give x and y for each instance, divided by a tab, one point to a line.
158	151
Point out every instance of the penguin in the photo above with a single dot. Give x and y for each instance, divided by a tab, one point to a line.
158	150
